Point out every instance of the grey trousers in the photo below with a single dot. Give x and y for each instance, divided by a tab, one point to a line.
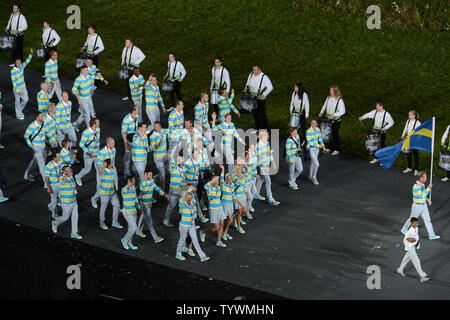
69	211
39	157
295	169
173	147
88	110
147	218
88	163
21	100
184	231
153	115
58	90
411	255
70	133
268	182
314	166
104	201
420	210
131	221
252	191
54	197
138	104
127	160
140	168
162	166
175	196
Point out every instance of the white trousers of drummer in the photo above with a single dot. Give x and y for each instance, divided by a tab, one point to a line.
162	165
69	211
411	255
140	168
153	115
295	169
175	196
184	231
138	104
70	133
104	201
146	217
21	100
39	157
58	90
265	178
88	110
54	197
314	165
420	210
132	227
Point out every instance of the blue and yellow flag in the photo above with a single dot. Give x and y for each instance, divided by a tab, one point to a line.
420	138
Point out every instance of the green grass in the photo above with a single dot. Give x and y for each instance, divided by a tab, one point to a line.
404	68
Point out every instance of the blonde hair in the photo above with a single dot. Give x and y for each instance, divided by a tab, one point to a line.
420	174
337	91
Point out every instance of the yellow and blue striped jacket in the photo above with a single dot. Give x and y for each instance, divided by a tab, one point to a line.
43	99
50	128
240	185
155	137
94	74
90	141
228	131
227	190
136	86
67	190
201	114
104	154
420	193
63	115
37	133
264	154
292	147
147	188
51	71
225	106
107	186
214	196
192	170
139	148
314	137
17	78
53	171
177	176
129	125
83	87
188	213
129	200
66	159
251	166
152	97
176	122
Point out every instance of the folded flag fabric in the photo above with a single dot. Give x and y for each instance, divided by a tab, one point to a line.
420	138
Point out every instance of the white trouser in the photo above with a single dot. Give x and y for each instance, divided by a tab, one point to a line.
184	231
80	118
69	210
314	165
268	182
138	104
420	210
88	162
295	169
39	157
161	165
88	110
175	196
21	100
153	115
58	90
140	168
131	220
54	197
70	133
411	255
147	217
104	201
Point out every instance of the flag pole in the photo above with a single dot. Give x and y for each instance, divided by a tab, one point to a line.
432	154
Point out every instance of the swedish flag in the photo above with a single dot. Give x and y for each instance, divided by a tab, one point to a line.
420	138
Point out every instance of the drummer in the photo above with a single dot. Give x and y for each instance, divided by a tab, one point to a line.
137	83
51	74
334	109
19	86
412	123
382	120
17	25
220	78
50	38
259	85
132	57
175	74
94	44
225	103
300	105
445	142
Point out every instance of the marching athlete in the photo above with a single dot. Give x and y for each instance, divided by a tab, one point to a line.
1	109
139	150
129	210
63	116
225	103
293	150
158	143
35	137
108	152
43	97
241	196
251	176
153	100
176	121
411	124
132	57
82	89
68	158
314	143
175	74
94	72
177	185
19	86
137	83
188	136
108	193
227	187
51	74
52	174
201	116
128	130
50	126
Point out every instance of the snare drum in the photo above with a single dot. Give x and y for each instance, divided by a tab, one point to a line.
167	86
247	104
40	53
444	159
124	74
297	119
373	141
80	60
214	96
325	128
7	42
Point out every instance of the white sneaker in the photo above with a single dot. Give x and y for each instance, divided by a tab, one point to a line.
315	182
424	279
401	273
375	160
11	65
445	179
416	172
407	170
335	153
125	98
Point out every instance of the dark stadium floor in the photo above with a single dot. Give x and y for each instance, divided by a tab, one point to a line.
316	245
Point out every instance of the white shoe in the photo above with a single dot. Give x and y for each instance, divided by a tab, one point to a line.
315	182
375	160
416	172
445	179
335	153
11	65
407	170
125	98
401	273
424	279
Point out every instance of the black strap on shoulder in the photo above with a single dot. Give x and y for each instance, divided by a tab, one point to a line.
95	43
260	84
18	19
337	104
40	129
48	38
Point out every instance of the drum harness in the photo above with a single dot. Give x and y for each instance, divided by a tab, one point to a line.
95	46
47	43
129	59
17	27
382	123
301	106
214	80
335	109
260	84
173	73
299	151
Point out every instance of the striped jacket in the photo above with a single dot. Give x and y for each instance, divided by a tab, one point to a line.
94	74
129	200
201	114
50	128
66	159
107	186
67	190
177	176
204	159
129	125
139	148
251	166
152	97
420	193
314	137
214	196
147	188
43	99
83	87
90	141
51	71
228	131
226	105
63	115
104	154
155	137
188	213
35	135
136	86
240	185
185	136
176	122
227	190
53	171
192	170
264	154
17	78
292	147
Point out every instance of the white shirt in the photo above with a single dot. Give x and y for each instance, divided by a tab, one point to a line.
330	106
137	56
444	137
53	36
388	121
295	101
90	42
411	233
254	81
175	70
12	23
410	126
215	75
